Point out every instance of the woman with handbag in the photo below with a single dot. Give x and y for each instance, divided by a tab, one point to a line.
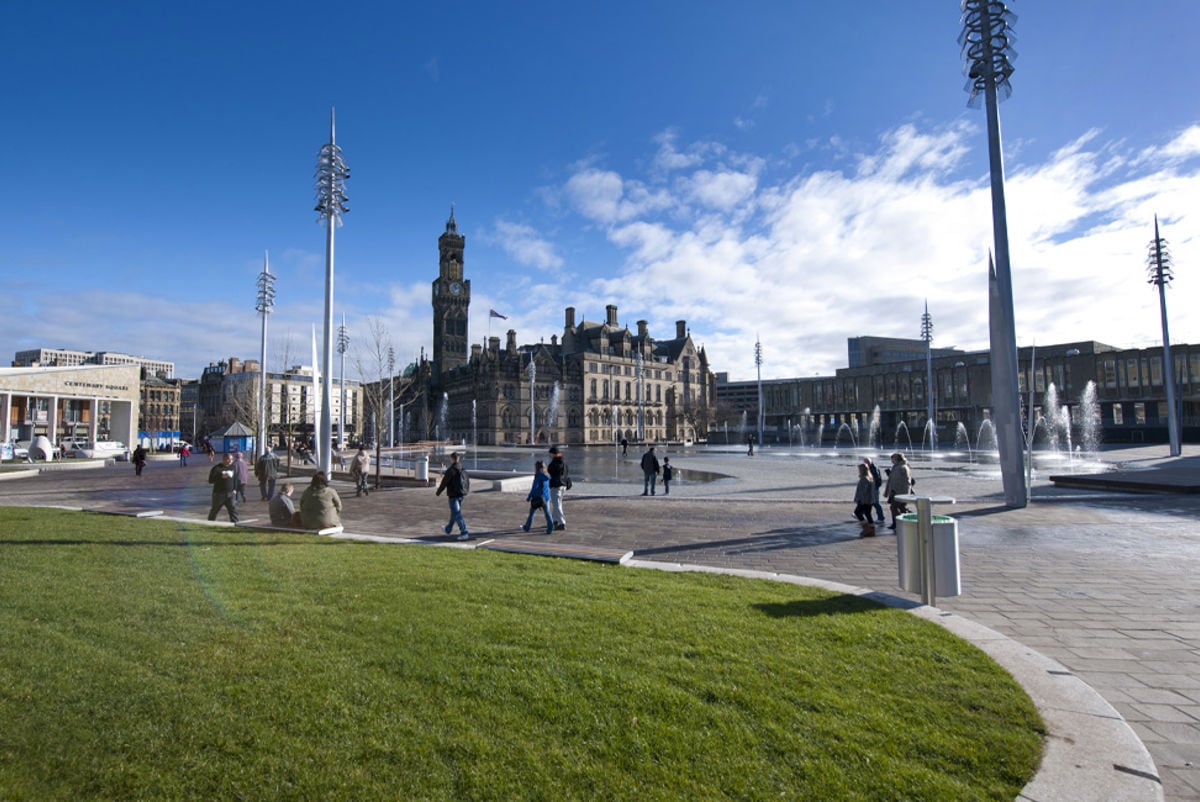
539	497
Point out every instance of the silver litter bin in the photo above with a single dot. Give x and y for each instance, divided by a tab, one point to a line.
946	577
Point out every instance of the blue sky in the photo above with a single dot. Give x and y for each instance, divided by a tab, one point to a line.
798	172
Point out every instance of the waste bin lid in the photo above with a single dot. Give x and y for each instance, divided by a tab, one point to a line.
937	519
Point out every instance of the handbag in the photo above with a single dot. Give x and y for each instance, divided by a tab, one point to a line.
536	503
567	483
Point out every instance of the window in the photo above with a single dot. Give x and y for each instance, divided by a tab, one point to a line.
1139	413
1131	372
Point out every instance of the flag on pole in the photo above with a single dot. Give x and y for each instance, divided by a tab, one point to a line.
493	313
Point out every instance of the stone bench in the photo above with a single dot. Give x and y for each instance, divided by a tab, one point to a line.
132	512
251	524
571	550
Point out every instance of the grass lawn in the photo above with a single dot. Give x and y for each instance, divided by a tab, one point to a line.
146	659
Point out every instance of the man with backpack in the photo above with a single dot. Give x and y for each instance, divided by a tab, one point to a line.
457	484
560	481
878	480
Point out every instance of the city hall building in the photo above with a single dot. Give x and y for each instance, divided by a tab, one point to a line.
595	384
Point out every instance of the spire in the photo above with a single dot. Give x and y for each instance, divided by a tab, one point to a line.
451	226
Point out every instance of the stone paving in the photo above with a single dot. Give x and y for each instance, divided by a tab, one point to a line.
1104	583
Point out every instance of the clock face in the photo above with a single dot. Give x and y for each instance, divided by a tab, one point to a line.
455	288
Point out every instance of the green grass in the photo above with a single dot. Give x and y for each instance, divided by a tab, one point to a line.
146	659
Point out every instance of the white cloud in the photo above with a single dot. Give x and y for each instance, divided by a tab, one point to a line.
807	261
723	189
523	244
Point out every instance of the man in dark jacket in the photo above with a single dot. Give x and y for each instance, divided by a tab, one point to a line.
224	481
456	484
266	470
650	469
558	483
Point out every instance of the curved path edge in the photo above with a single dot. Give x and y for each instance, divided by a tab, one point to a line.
1090	751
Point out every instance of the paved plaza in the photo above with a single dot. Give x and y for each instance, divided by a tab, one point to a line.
1104	583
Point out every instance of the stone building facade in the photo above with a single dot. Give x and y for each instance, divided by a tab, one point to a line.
1127	396
597	383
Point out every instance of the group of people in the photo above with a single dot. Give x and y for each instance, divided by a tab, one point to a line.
651	470
320	505
866	493
550	481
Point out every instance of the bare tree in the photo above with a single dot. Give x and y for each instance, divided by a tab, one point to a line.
287	420
380	385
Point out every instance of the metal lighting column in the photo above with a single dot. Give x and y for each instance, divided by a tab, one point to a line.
758	360
1160	275
985	40
331	204
391	438
343	342
264	305
927	336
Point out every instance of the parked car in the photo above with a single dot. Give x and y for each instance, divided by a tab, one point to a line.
21	451
101	449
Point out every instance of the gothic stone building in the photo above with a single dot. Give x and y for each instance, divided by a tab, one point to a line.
600	382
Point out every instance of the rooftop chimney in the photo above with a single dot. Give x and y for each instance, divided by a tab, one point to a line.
611	311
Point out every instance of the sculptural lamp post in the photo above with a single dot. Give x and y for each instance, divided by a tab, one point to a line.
927	336
758	360
343	342
391	357
331	178
1159	266
264	304
986	42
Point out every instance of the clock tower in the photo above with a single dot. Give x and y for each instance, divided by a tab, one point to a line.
451	299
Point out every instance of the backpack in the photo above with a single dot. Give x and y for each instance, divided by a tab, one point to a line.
464	481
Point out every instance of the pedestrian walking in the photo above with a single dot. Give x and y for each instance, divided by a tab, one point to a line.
223	478
243	475
139	459
539	498
866	496
668	473
624	446
457	485
184	453
878	480
360	469
560	482
899	483
650	471
266	470
320	505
